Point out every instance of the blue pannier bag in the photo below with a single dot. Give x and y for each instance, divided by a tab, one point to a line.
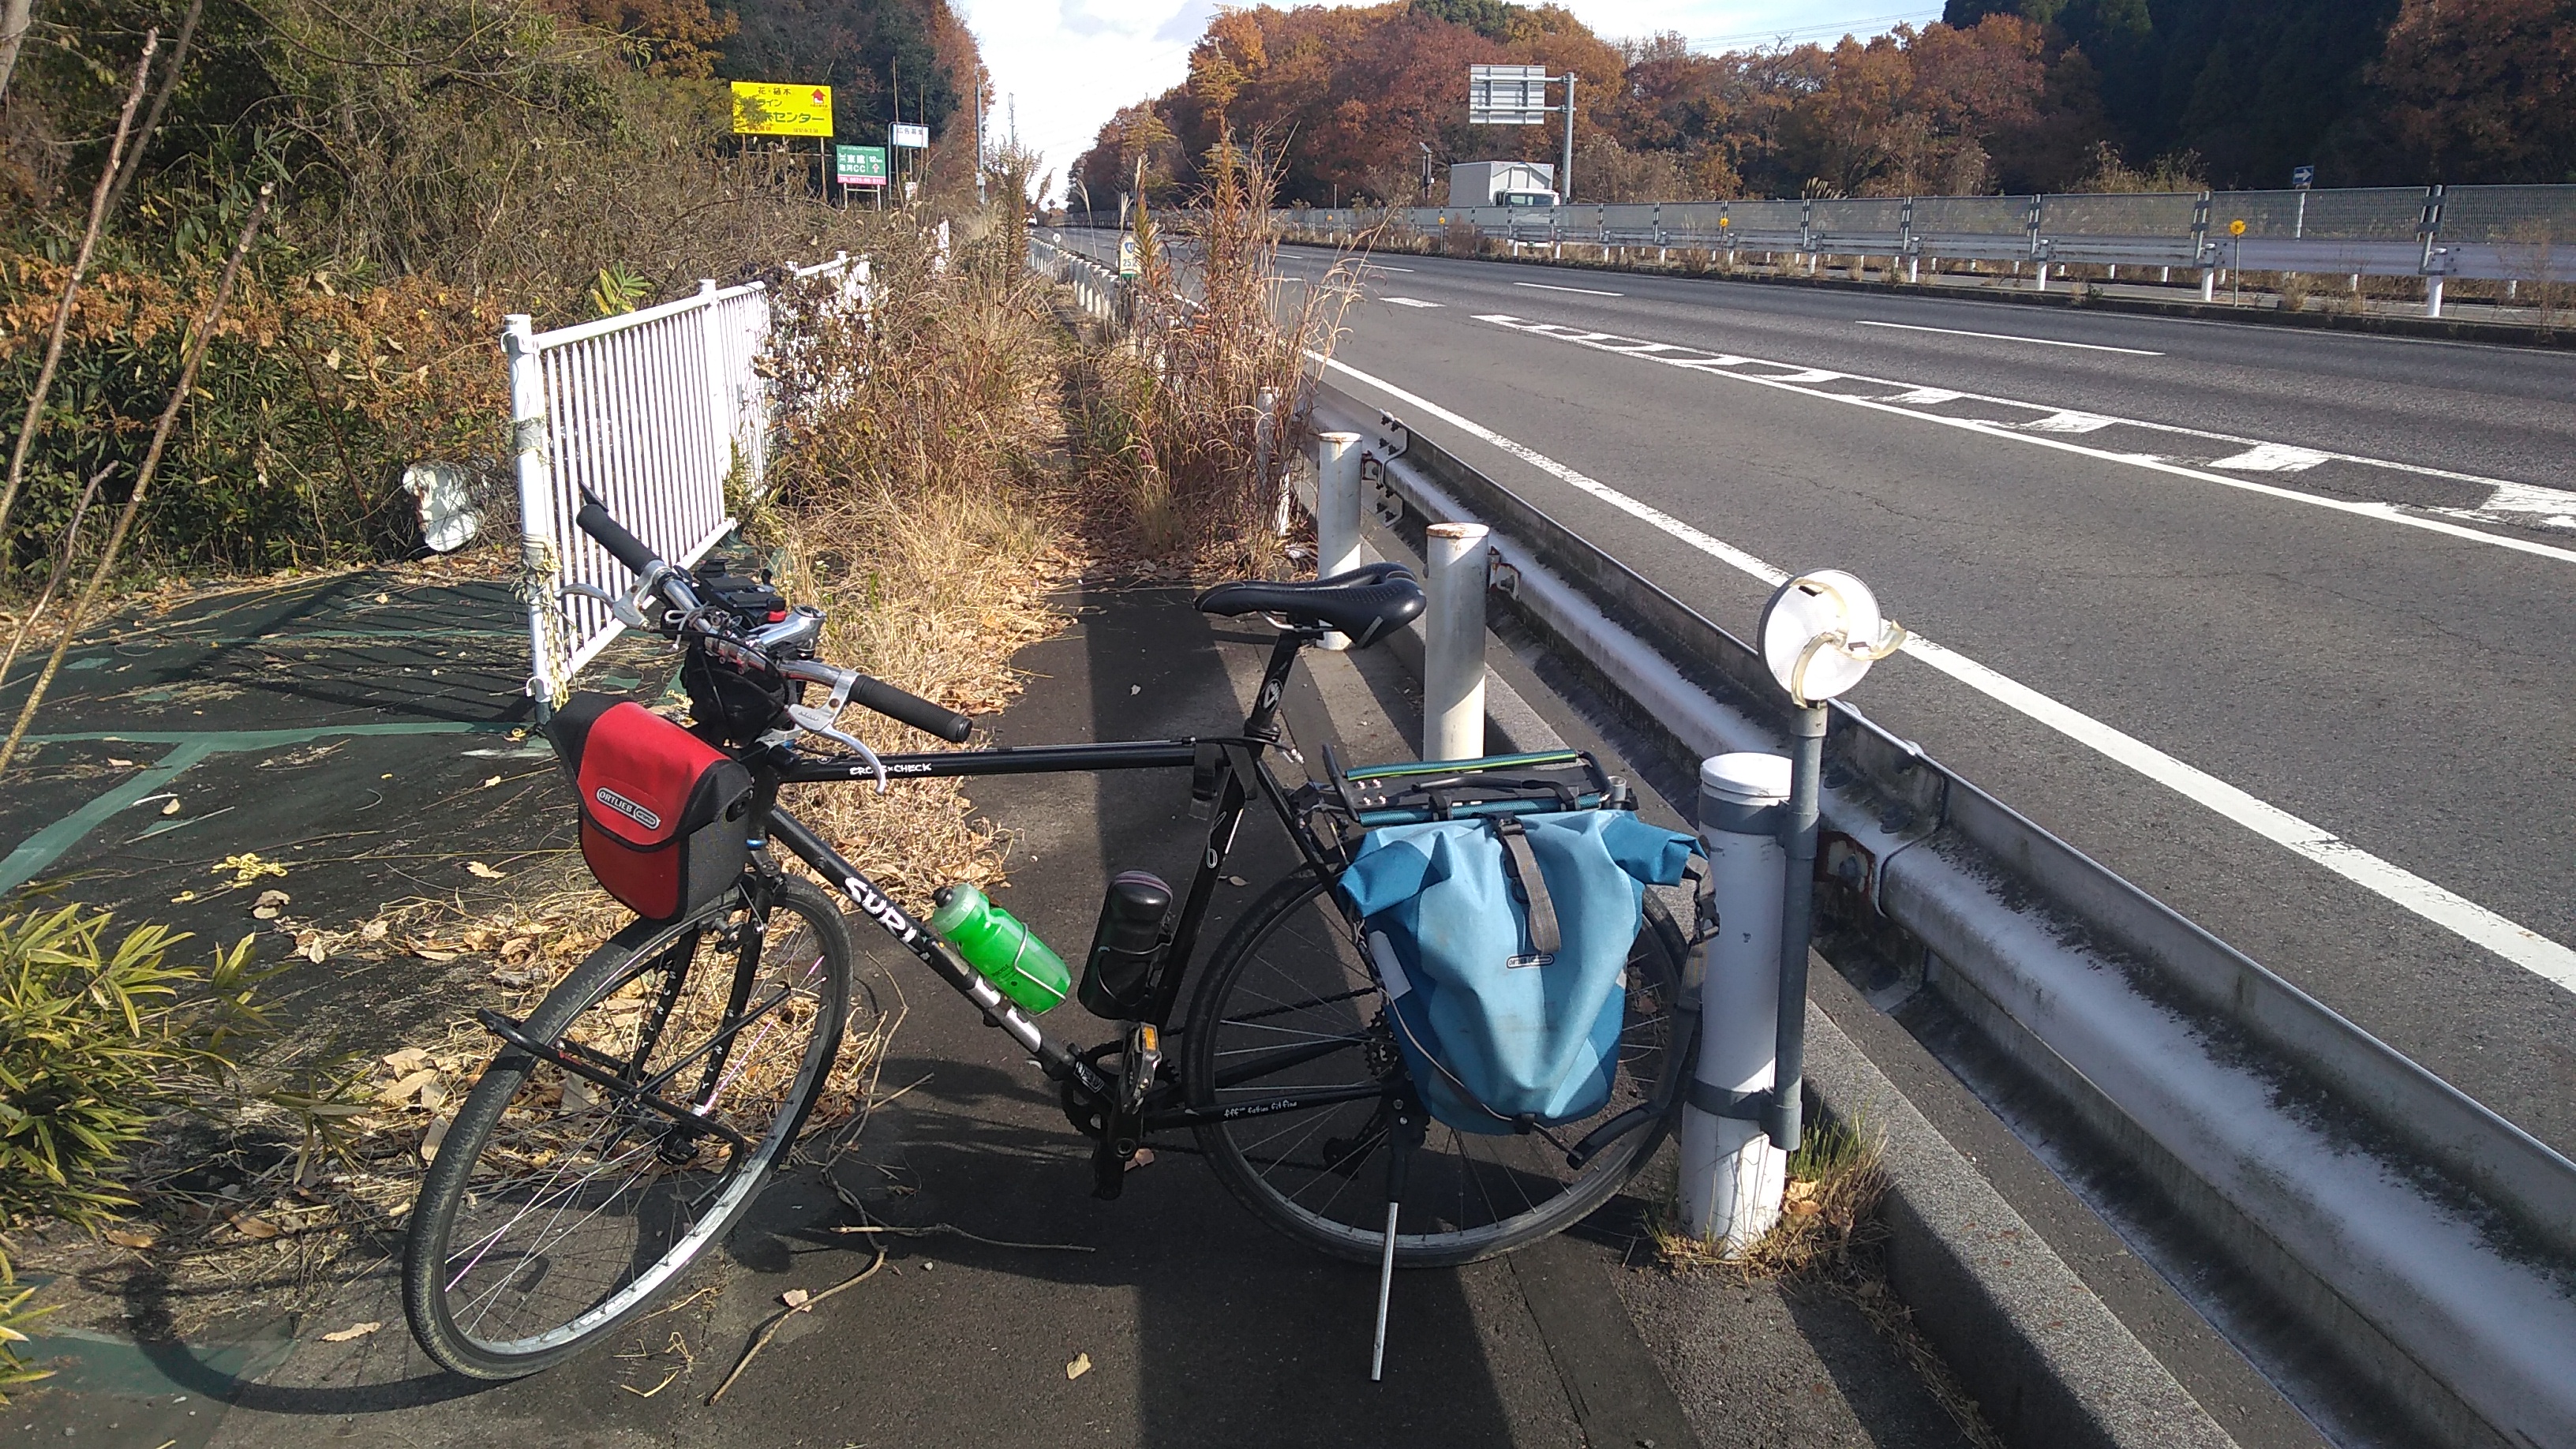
1502	944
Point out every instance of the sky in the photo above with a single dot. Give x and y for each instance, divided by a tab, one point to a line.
1068	64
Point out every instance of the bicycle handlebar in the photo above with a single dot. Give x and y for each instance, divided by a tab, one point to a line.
874	694
625	547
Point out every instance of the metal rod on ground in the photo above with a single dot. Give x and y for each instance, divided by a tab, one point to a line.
1337	511
1453	642
1268	402
1797	909
1732	1176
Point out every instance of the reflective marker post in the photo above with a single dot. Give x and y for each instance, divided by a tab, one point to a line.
1820	632
1731	1174
1453	642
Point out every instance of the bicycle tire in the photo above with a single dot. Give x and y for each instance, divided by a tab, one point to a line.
1342	997
678	1206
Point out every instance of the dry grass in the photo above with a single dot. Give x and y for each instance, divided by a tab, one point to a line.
1182	431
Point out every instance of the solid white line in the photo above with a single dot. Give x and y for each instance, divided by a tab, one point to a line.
1410	302
2385	512
2008	337
1587	291
2453	912
1381	267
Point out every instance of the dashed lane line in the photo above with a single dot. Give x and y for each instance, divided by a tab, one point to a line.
2008	337
2453	912
2508	502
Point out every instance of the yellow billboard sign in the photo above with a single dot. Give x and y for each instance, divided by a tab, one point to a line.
767	108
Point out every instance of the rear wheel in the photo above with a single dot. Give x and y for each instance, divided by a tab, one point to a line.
1288	1005
559	1207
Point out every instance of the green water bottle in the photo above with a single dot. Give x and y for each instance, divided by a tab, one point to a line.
993	941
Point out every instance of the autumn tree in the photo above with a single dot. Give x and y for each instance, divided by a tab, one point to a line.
2483	89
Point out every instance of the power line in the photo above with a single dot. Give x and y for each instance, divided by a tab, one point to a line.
1837	29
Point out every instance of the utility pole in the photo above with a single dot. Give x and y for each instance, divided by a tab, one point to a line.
1565	178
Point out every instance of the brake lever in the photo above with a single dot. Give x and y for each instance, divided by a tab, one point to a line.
629	611
816	720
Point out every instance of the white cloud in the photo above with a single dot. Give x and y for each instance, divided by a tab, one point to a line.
1068	64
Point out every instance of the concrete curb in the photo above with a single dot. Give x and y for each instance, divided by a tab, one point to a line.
2047	1361
2443	329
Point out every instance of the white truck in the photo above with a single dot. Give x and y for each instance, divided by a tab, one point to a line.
1502	183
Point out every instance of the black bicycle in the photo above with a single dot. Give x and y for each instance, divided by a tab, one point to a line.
627	1122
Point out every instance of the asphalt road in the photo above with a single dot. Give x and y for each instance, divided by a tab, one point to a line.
2321	579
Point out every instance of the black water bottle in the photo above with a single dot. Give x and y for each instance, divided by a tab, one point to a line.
1129	940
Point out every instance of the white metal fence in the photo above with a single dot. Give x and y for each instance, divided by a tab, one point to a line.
653	412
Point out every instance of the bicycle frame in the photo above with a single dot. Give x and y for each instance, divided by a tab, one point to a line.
1226	769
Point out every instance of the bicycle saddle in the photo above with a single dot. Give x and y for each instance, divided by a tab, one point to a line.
1368	603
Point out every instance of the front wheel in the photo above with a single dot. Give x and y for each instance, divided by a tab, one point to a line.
1289	1006
559	1206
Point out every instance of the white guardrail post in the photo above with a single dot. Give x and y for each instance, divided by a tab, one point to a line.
1453	642
1732	1176
536	505
1337	511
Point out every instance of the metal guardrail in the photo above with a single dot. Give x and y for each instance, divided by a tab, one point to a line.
653	411
2428	1239
2492	233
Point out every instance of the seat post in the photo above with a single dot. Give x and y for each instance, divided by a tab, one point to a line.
1263	722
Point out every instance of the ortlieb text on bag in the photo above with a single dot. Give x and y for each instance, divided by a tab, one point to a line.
664	816
1502	945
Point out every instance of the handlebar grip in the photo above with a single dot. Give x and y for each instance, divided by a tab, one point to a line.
625	547
912	709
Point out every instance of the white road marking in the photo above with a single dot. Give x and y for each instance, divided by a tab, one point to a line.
2008	337
2556	506
1377	267
2273	458
1411	302
2070	422
1587	291
2385	512
2455	913
1922	397
1804	374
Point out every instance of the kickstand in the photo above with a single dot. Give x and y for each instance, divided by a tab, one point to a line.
1403	1127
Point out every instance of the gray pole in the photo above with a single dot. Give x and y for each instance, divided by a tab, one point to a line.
1797	911
1565	181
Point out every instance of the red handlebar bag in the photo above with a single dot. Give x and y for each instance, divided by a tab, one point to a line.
664	815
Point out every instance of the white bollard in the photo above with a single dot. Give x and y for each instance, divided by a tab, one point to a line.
1731	1175
2043	276
1337	511
1913	270
2208	284
2433	295
1453	643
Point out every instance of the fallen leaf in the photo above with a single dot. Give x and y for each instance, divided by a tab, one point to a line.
384	598
171	808
795	1297
1081	1365
429	1140
125	1239
183	897
1236	880
1144	1158
373	931
1800	1189
433	1096
577	1095
313	950
353	1331
495	780
1806	1209
478	868
246	868
120	764
431	953
407	1061
257	1229
409	1087
272	899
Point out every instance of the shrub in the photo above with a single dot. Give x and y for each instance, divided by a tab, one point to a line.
95	1043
